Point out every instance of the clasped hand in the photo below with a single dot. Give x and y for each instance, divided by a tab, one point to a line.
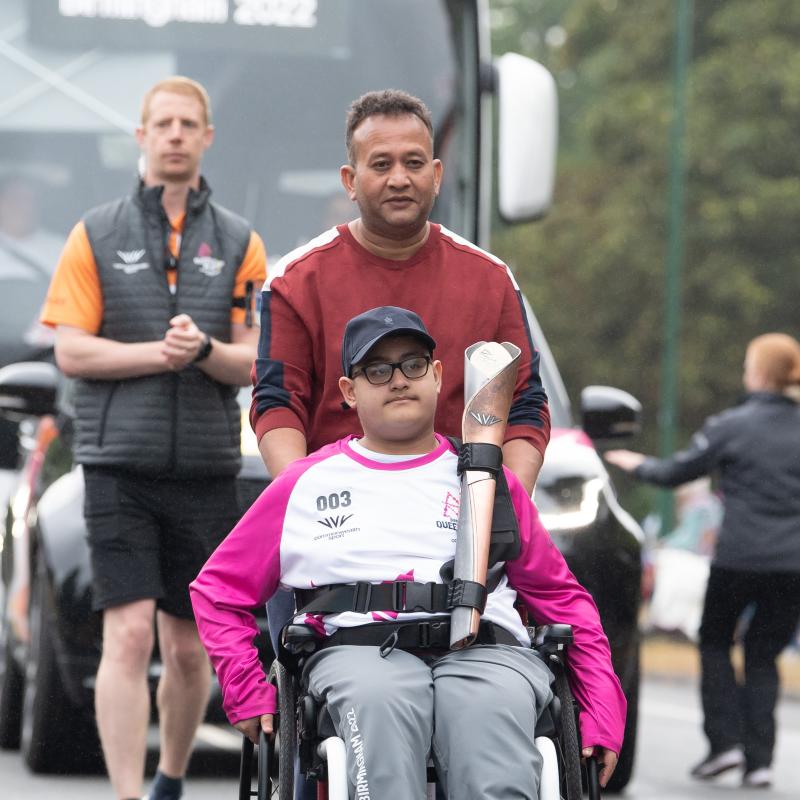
182	342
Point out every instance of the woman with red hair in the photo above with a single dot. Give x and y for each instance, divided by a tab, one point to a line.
754	448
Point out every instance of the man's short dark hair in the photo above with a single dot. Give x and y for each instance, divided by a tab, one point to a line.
388	102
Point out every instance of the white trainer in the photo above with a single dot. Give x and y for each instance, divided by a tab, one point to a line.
717	763
760	778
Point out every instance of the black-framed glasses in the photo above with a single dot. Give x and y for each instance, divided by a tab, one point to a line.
378	373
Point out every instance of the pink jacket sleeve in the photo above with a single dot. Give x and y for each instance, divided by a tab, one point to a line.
242	574
552	594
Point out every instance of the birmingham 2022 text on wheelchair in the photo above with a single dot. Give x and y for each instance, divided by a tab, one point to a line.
304	734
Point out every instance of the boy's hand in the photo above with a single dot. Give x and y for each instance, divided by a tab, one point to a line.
250	727
606	761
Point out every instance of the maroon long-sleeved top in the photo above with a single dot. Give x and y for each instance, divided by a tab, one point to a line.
463	294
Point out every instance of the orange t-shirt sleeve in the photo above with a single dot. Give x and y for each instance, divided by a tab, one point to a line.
254	269
74	297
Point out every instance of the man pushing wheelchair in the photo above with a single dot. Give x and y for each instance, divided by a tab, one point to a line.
364	531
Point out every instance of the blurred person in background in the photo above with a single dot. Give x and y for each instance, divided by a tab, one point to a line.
698	513
25	245
754	448
681	561
152	303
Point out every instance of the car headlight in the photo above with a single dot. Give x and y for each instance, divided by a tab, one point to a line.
569	504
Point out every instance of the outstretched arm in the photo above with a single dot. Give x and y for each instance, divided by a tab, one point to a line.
626	460
698	459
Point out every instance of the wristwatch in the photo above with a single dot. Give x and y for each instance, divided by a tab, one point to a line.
205	349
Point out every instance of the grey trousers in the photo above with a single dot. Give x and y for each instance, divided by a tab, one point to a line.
474	711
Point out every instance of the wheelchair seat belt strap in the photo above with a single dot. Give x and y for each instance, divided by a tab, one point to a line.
433	634
435	598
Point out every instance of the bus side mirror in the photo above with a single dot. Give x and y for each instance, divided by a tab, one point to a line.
527	137
609	413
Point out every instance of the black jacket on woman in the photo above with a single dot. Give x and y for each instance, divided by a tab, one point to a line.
755	448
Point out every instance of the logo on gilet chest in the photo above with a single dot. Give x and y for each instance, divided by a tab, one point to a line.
208	265
130	261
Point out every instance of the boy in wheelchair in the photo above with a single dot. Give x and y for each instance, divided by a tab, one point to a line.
363	531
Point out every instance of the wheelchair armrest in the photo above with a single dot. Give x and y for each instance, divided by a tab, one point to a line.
550	639
299	639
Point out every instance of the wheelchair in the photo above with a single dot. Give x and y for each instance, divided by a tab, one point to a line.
305	736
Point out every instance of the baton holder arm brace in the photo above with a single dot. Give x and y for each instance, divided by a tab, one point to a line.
490	371
481	457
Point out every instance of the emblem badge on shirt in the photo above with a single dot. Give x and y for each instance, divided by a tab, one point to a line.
130	261
209	266
335	522
338	526
450	509
451	506
483	418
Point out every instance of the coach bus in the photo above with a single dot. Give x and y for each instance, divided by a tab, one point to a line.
280	75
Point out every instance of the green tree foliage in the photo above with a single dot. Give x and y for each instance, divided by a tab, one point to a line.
594	268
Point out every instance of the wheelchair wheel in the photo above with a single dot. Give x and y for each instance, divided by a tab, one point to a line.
246	769
568	742
278	769
274	759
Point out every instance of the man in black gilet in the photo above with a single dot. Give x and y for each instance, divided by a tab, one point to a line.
150	305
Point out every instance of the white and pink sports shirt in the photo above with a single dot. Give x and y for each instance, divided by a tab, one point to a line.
344	515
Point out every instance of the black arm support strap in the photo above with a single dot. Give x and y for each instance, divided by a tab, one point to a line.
479	456
434	598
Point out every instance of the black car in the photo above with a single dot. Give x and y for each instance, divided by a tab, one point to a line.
23	285
49	644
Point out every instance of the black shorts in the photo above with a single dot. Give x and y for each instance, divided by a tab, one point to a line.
149	537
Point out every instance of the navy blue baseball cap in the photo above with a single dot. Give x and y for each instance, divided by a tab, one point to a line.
363	332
